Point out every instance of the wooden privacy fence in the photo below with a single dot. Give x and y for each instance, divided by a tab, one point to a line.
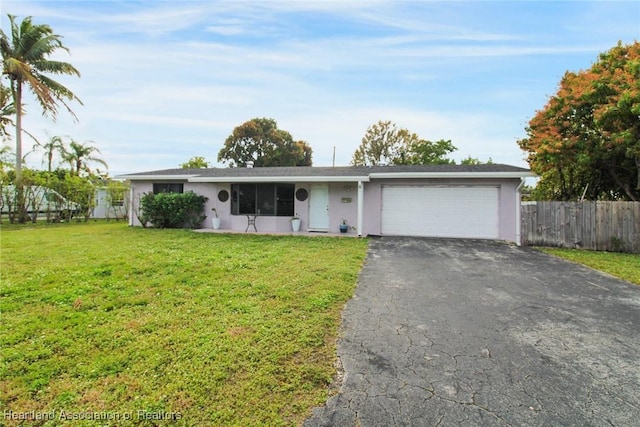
602	226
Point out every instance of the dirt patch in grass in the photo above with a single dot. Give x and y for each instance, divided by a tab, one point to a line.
222	329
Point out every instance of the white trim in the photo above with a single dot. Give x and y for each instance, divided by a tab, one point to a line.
360	208
293	179
155	177
518	213
131	206
330	178
423	175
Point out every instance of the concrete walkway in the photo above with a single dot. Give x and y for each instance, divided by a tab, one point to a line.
459	332
276	233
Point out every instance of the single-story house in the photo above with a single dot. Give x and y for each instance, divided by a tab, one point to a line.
466	201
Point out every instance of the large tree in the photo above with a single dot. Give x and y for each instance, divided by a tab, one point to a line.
196	162
260	141
386	144
586	140
379	144
424	152
25	62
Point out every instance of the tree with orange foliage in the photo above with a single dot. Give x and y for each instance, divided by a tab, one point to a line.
586	140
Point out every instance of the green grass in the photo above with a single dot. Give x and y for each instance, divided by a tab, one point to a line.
223	329
624	266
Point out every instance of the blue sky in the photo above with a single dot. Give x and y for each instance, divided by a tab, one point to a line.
163	81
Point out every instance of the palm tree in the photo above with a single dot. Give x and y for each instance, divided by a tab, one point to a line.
55	144
25	62
7	110
79	155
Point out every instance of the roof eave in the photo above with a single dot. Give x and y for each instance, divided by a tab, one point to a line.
457	175
328	178
155	177
293	179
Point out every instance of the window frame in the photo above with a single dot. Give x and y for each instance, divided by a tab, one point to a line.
278	199
167	187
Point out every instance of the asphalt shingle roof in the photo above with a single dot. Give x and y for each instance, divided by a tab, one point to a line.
346	171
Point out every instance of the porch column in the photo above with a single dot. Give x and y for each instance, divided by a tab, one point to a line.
360	208
131	207
519	212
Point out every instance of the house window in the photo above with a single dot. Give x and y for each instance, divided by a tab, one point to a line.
168	188
262	199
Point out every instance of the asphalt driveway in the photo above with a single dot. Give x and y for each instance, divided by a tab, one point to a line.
466	332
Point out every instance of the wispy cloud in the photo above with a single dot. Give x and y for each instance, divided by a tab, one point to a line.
163	81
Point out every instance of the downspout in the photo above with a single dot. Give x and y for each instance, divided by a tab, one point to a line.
519	213
360	208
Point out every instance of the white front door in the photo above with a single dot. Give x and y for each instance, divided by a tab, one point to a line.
319	207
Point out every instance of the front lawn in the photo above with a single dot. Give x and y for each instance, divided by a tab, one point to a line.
103	320
624	266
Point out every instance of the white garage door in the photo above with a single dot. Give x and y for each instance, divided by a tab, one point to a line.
451	211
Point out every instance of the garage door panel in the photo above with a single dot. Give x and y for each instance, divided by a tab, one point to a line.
470	211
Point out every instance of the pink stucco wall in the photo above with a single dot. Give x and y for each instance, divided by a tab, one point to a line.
339	205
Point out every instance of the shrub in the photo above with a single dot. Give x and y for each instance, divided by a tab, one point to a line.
173	210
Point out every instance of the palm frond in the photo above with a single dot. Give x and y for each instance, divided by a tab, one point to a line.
59	91
44	46
25	60
55	67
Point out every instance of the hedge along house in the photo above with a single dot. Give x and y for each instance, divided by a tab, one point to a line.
463	201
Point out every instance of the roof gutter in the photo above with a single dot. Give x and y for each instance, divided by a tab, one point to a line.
325	178
155	177
458	175
293	179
